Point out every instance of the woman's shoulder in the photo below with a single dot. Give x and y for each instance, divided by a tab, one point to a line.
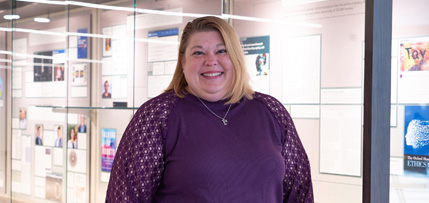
158	107
268	100
275	106
164	100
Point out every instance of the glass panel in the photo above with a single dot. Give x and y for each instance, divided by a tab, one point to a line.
4	66
40	159
82	75
309	55
409	151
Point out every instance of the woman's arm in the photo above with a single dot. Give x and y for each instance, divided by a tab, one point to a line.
297	184
139	162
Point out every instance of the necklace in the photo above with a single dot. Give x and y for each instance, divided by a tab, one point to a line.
225	122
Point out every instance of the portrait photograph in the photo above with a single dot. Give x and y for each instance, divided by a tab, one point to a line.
22	118
107	88
39	134
72	137
59	72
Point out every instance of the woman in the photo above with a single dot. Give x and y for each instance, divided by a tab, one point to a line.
72	143
209	137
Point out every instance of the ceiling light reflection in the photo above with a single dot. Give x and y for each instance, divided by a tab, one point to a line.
42	20
66	34
169	13
11	17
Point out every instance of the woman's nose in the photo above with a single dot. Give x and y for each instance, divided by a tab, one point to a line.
211	59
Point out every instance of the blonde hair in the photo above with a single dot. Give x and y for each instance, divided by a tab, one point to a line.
240	85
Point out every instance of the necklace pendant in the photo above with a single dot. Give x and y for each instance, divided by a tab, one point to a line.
225	122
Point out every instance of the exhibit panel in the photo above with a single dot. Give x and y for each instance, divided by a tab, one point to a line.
409	153
50	150
315	69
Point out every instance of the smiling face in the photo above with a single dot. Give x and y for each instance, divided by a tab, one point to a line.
207	67
72	134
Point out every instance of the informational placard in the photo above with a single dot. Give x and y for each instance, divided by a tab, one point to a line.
20	47
301	70
162	58
341	139
108	148
76	187
79	74
341	96
16	144
42	160
257	56
115	51
164	46
17	78
416	140
24	185
413	79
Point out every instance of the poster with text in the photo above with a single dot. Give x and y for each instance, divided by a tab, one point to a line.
79	74
163	45
416	140
414	55
82	44
413	70
257	53
108	148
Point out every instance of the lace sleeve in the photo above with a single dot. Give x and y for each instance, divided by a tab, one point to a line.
297	185
139	162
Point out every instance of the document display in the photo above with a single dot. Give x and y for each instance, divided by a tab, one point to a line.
341	139
301	70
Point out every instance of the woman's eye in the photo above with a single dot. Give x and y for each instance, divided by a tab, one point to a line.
198	53
221	51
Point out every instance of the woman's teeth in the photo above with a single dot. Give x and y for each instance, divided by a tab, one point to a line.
211	74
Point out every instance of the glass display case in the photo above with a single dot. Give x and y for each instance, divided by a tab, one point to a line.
4	62
409	154
75	72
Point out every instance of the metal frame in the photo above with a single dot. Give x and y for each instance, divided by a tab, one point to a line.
377	84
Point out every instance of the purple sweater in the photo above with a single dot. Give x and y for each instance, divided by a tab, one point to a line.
175	150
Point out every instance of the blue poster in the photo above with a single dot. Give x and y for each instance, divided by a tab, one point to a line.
257	57
82	44
108	148
416	138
